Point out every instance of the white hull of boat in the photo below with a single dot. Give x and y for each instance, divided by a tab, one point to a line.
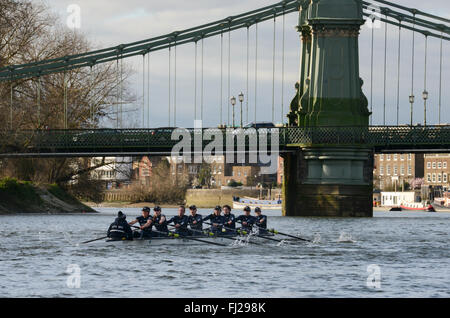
240	206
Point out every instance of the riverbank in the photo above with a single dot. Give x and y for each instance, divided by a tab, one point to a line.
25	197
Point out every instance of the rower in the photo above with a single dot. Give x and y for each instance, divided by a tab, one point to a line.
145	224
120	229
160	222
229	220
260	221
195	221
216	219
180	221
246	220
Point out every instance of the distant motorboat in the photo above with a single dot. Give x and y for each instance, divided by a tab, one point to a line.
417	207
240	203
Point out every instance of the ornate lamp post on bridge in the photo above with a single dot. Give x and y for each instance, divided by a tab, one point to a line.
411	101
425	97
241	99
233	103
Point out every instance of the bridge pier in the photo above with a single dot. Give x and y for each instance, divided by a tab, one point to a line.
329	180
332	181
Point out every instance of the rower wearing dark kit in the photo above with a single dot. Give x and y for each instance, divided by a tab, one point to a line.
195	221
145	224
229	220
216	220
180	221
261	221
160	222
246	220
120	229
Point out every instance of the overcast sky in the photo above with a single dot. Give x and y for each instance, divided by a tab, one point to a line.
109	23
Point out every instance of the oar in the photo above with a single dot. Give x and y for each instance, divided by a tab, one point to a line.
175	235
97	239
245	233
211	234
288	235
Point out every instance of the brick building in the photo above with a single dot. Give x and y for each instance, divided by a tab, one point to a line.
391	169
437	170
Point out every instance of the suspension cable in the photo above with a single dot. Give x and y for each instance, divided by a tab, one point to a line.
282	67
273	66
412	74
229	75
440	80
202	87
248	68
175	88
398	69
195	81
148	90
371	73
385	72
425	93
91	81
221	78
121	93
143	90
117	92
65	100
170	84
11	107
39	101
256	67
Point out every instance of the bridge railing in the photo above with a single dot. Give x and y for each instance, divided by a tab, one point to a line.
160	139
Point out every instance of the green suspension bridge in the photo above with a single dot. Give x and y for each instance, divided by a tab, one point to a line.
95	141
328	141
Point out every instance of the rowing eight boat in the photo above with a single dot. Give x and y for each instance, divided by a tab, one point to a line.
159	241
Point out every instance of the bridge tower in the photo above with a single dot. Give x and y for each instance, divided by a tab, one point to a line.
329	180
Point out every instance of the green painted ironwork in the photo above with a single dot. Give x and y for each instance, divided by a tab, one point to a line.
229	24
159	141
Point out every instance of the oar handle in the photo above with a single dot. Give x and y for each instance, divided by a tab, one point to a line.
230	229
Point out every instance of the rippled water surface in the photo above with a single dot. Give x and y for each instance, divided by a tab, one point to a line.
411	249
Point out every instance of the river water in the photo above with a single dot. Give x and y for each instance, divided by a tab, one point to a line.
394	254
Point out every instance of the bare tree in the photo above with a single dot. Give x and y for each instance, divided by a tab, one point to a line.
29	33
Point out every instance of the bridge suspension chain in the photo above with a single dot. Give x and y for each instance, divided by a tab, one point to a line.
68	63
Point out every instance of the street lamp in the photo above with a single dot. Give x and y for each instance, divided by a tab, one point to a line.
241	99
425	97
233	103
411	101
